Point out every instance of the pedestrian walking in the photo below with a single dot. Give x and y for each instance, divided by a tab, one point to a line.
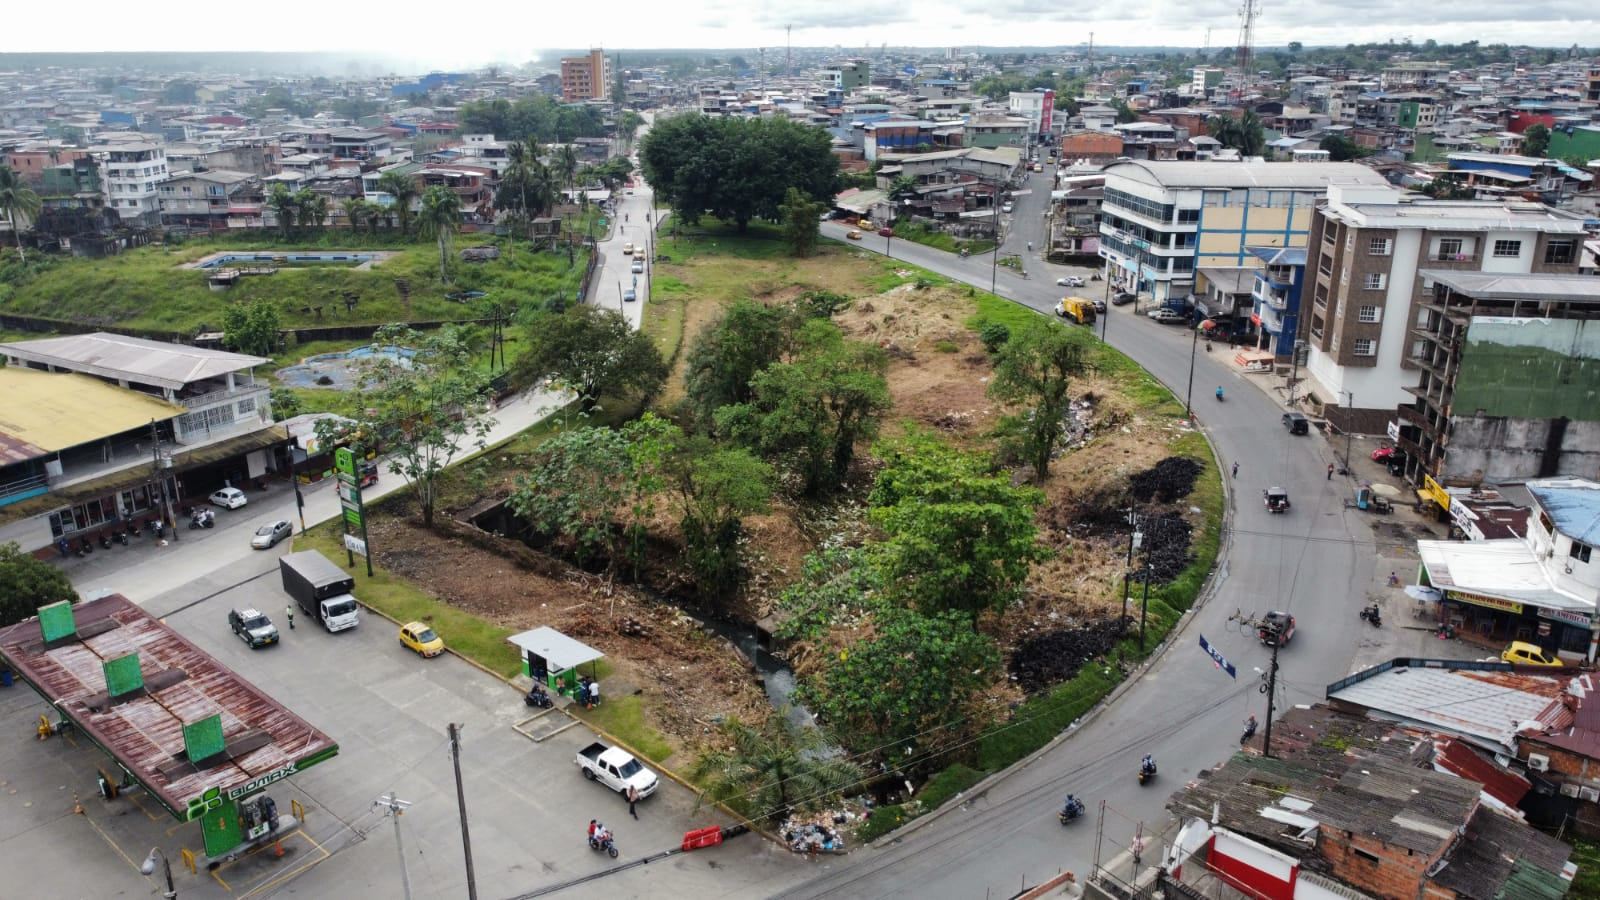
1236	470
633	797
594	693
1330	471
288	613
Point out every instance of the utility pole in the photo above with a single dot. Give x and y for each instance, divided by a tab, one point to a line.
395	808
161	481
1144	604
1347	433
1271	688
461	803
1135	538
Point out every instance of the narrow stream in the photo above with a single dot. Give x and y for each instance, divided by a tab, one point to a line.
776	677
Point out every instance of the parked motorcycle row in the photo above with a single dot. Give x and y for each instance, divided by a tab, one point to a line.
121	533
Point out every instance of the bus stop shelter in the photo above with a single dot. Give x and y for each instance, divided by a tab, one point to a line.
551	658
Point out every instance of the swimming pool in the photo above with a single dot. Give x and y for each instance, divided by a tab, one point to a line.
339	370
245	259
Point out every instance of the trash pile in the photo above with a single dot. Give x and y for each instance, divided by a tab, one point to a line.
818	833
1166	481
1052	658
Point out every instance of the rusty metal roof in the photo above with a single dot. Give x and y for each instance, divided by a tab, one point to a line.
183	685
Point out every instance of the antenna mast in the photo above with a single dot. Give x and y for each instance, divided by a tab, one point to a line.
788	51
1245	52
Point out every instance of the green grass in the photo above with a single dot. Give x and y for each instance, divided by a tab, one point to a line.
1586	854
403	601
939	240
623	719
144	289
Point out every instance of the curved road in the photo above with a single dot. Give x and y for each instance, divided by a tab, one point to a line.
1316	562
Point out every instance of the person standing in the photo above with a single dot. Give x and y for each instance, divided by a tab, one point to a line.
1236	470
594	693
1330	471
288	613
633	797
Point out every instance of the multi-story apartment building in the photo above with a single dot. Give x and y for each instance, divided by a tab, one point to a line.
586	77
131	173
1509	366
1038	107
1163	220
1367	248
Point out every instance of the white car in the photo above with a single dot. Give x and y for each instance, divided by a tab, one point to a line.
229	498
1070	281
268	536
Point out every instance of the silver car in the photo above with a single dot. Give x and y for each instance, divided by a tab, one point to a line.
268	536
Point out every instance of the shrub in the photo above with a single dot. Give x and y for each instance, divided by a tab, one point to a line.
994	336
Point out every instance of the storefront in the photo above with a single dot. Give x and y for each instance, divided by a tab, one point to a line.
1497	620
1498	591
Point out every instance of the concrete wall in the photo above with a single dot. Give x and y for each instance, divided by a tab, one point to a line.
1505	449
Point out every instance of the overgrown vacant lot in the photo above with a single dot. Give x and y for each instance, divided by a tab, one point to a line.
145	288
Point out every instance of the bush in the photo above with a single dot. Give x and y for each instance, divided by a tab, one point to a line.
994	336
947	347
884	820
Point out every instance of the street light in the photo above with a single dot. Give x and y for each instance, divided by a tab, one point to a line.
148	867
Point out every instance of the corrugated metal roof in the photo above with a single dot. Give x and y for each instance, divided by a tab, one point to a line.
1505	568
1484	707
183	685
128	358
1458	759
1185	174
1573	504
1518	286
52	411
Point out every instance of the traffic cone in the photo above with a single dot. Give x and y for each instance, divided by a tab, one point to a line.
277	847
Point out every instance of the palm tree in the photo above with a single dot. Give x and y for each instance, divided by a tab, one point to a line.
564	162
403	188
774	768
284	207
440	218
356	211
19	203
310	209
519	156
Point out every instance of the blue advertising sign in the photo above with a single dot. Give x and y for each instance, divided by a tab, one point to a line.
1218	658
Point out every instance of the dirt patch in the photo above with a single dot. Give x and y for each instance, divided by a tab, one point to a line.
686	678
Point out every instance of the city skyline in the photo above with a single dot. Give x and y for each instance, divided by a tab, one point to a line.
398	38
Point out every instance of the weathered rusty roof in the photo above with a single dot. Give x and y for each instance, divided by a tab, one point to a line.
183	685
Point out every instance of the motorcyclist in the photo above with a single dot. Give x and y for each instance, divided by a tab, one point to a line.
1073	808
1250	725
1148	766
1219	392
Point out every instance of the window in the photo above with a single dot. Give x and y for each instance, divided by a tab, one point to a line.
1365	347
1450	248
1560	252
1375	281
1368	314
1508	248
1188	216
1378	247
1579	551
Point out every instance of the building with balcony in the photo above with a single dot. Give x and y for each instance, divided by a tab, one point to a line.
131	173
1161	221
585	78
207	200
1509	366
1368	247
1276	293
100	424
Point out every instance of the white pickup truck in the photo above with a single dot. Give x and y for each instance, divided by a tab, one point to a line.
616	769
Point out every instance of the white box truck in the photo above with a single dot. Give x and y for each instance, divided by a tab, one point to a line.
321	589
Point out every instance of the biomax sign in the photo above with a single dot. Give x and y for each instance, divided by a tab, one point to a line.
214	797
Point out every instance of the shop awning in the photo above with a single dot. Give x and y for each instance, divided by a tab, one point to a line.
1497	573
556	649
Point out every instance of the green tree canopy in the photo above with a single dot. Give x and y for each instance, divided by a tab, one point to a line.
1035	370
19	205
403	190
1243	133
577	483
535	117
770	770
27	584
713	489
957	536
728	354
801	223
734	168
592	351
251	328
1536	140
425	410
440	219
1341	148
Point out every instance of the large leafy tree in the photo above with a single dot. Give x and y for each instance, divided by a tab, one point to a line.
19	204
958	537
1536	140
564	163
577	483
713	489
284	208
772	769
592	351
726	356
809	414
27	584
403	190
251	328
736	169
1035	370
425	409
801	224
440	219
1341	148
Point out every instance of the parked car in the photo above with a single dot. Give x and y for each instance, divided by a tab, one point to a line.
638	266
422	639
1168	317
229	498
629	295
1296	423
253	627
268	536
369	473
1006	207
886	232
1526	654
854	235
1123	298
1070	281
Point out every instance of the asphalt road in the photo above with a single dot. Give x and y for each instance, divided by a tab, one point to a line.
1317	562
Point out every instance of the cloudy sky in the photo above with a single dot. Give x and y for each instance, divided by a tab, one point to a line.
433	34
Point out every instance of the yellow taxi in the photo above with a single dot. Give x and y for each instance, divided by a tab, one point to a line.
1525	654
422	639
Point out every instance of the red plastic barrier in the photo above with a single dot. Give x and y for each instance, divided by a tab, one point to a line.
702	837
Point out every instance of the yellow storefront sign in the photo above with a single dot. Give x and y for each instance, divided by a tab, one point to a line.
1433	491
1480	600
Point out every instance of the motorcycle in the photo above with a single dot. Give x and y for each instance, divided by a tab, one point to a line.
105	542
156	526
84	547
536	697
203	518
1249	729
1071	812
1208	346
131	527
122	536
603	842
1370	614
1147	771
